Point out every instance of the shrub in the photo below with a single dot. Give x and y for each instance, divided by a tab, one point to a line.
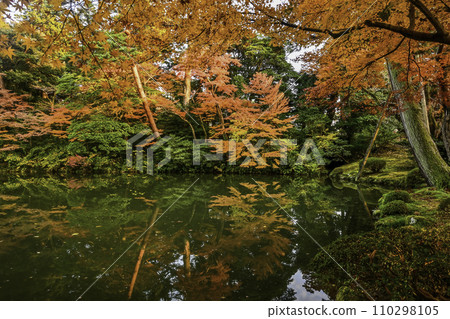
365	125
308	169
99	135
395	195
400	221
420	221
444	205
390	222
414	178
396	207
374	164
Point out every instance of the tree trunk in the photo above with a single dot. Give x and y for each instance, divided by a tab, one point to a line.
434	168
424	104
187	86
446	131
2	84
445	99
145	101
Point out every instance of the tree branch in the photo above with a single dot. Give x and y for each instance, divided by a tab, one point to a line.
411	34
434	21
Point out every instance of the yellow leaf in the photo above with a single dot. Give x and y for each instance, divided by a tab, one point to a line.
8	52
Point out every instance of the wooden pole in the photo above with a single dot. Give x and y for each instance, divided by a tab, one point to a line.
372	141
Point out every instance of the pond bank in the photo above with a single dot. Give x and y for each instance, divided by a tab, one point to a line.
406	257
399	162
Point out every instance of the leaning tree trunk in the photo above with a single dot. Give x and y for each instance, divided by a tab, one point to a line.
430	162
446	131
444	88
145	101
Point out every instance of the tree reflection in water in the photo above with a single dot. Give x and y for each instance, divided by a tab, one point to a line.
225	239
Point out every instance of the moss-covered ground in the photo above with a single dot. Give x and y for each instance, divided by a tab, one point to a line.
407	255
399	162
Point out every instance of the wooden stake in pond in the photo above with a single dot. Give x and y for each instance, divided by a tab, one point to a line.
372	142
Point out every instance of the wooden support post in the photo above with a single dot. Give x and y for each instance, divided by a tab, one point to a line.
374	137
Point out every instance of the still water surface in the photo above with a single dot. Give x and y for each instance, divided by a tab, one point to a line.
222	238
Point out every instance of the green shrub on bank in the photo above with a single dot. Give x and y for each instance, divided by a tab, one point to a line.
396	207
444	205
414	178
374	164
391	222
395	195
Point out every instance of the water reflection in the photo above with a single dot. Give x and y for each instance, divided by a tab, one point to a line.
225	239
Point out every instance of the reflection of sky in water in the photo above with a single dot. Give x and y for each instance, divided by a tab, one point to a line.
300	292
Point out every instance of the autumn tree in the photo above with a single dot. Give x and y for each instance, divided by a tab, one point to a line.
154	32
353	40
18	121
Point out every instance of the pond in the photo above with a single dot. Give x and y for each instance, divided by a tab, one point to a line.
208	237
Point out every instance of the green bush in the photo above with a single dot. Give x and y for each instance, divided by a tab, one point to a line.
414	178
374	164
364	126
444	205
100	135
395	195
390	222
396	207
421	221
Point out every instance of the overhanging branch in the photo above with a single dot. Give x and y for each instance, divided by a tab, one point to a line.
411	34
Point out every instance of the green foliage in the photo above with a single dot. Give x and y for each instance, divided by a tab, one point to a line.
258	54
99	136
102	140
391	222
42	157
395	195
360	127
310	169
387	134
374	164
444	205
181	155
69	84
333	148
23	74
414	178
395	207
